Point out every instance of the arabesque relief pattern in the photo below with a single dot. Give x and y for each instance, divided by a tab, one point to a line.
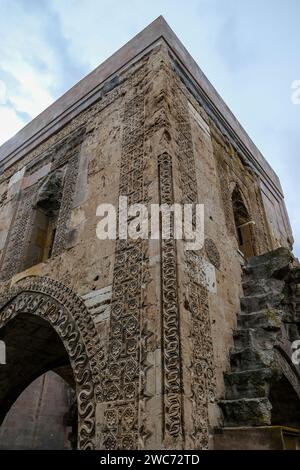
22	224
253	201
124	378
19	235
68	315
203	368
66	205
172	374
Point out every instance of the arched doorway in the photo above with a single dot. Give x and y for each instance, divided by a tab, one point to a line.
285	404
284	393
40	417
244	224
34	401
45	326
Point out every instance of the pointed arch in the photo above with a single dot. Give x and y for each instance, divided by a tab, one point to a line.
244	224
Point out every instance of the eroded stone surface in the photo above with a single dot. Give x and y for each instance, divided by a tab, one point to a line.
148	324
261	361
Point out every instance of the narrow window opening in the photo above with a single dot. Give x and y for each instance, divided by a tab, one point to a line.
243	224
240	236
45	221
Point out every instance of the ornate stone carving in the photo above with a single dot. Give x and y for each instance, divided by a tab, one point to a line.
19	235
253	201
224	190
262	239
21	229
68	315
212	252
170	313
124	379
3	198
66	205
203	368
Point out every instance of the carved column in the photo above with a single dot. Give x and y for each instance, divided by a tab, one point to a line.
19	234
195	328
123	384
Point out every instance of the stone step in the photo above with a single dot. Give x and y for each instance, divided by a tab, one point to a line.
281	255
263	286
254	303
268	319
252	366
271	264
256	338
249	359
249	383
244	338
246	412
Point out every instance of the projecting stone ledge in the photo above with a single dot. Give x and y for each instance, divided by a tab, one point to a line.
247	411
260	438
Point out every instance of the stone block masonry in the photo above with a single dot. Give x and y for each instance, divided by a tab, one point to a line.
143	330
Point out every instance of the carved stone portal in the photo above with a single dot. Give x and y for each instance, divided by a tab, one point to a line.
68	315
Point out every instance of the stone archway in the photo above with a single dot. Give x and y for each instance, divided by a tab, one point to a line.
284	393
244	225
67	314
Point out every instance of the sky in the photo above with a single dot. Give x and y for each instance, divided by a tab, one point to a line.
248	49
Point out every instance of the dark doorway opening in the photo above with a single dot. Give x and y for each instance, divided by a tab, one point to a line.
244	225
285	404
37	389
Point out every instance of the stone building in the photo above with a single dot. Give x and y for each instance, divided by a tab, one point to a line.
143	344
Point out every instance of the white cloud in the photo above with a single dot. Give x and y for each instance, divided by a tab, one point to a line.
31	96
2	92
10	123
249	50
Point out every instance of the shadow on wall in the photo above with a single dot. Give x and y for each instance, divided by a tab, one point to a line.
40	417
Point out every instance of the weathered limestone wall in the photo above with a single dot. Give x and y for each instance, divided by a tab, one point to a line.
164	315
278	221
37	420
88	152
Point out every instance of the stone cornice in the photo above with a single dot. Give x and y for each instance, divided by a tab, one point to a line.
87	91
